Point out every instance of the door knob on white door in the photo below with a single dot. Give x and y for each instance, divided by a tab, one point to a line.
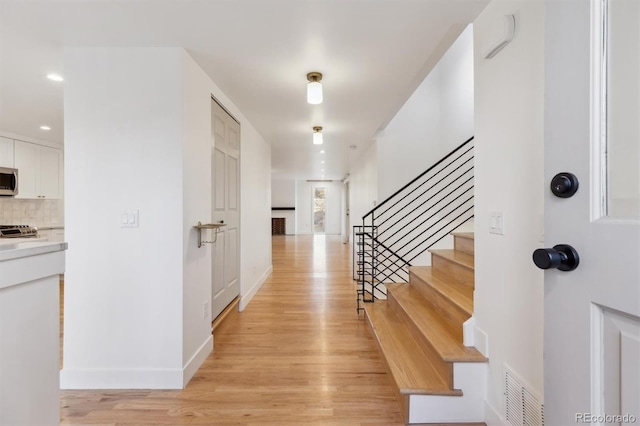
562	256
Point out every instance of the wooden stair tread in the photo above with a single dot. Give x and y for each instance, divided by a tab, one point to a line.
467	235
407	363
459	294
455	256
432	325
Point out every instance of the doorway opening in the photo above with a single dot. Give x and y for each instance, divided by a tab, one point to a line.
319	210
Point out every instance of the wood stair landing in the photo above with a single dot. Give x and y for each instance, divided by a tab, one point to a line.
419	331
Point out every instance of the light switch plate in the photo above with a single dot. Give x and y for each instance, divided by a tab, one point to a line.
496	223
129	219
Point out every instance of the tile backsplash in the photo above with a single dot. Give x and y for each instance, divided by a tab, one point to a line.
31	212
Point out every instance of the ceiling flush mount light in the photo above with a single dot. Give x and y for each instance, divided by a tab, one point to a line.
314	88
317	135
45	128
55	77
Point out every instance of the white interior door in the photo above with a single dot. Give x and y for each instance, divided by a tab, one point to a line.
592	314
225	166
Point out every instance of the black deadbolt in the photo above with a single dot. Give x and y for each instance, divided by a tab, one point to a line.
563	256
564	185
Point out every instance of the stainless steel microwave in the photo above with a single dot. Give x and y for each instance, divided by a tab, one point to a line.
8	181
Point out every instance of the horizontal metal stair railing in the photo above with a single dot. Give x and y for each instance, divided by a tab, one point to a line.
404	226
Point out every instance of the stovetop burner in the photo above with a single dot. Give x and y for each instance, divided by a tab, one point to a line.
18	231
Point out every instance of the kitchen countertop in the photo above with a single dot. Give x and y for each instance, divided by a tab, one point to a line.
17	248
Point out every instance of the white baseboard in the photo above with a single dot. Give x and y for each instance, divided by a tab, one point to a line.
246	298
106	378
196	361
492	417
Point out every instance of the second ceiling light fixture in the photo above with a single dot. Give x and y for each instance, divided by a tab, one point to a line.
314	88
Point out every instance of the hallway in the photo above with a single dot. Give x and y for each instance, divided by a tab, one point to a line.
297	355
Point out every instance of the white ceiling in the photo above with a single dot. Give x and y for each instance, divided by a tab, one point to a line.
372	53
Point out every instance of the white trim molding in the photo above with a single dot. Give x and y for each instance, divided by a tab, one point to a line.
246	298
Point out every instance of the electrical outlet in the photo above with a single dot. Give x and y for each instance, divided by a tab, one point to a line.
205	309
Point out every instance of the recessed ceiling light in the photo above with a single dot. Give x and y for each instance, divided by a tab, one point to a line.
45	128
322	162
322	170
322	152
55	77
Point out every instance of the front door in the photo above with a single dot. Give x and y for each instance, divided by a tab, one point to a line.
225	173
592	314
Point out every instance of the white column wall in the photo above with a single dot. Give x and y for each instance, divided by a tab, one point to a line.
196	206
123	150
509	100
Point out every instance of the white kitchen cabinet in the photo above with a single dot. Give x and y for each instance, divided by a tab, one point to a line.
39	171
6	152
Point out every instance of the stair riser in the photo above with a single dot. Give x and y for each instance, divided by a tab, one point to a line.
432	409
463	244
454	314
445	369
461	274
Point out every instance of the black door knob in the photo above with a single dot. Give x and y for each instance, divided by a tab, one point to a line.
562	256
564	185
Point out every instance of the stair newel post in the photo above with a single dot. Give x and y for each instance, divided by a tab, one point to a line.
374	257
361	266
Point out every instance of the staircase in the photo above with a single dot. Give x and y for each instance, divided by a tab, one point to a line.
419	331
397	233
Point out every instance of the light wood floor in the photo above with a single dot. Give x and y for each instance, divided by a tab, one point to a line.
297	355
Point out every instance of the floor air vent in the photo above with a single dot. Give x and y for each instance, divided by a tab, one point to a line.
521	406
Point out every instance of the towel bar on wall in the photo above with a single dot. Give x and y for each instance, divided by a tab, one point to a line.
214	226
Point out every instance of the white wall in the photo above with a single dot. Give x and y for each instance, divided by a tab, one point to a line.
255	177
283	193
304	205
437	117
196	206
363	185
134	118
255	180
123	150
509	103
